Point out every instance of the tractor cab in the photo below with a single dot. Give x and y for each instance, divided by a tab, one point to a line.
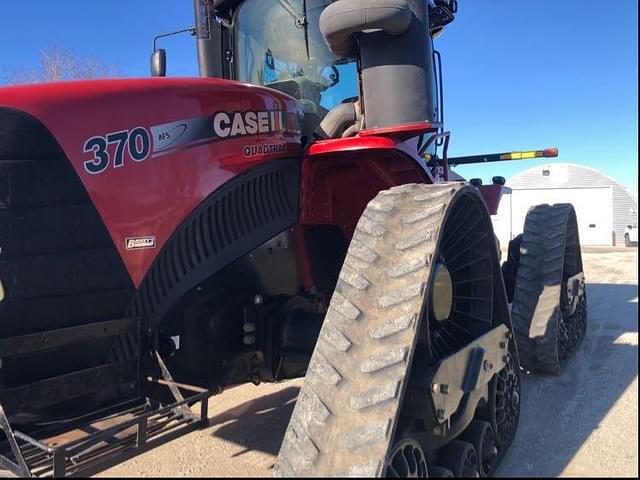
278	44
345	70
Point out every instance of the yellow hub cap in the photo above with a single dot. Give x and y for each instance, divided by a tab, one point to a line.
442	293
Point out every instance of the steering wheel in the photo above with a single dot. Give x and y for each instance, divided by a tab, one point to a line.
327	83
335	76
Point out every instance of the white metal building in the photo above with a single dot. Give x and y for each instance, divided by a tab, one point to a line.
604	207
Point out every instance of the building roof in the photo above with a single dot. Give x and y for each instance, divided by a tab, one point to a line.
562	175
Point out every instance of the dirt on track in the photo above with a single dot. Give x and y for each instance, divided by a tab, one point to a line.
582	423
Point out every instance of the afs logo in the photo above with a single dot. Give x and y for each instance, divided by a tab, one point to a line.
139	243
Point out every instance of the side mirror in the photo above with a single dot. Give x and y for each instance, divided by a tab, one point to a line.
159	63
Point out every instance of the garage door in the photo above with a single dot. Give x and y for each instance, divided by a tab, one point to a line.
594	210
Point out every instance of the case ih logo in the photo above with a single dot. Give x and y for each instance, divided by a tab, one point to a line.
138	243
238	124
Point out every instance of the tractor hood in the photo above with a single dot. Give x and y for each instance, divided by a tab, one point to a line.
148	151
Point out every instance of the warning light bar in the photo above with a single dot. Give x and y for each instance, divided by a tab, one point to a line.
498	157
547	152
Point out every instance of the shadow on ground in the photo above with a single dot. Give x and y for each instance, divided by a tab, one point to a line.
558	413
258	424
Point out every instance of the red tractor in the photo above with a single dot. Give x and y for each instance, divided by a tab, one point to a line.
292	213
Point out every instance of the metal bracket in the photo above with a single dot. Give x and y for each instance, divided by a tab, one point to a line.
575	289
173	387
468	370
20	467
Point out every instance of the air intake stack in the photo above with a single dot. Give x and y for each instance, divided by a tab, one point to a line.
392	42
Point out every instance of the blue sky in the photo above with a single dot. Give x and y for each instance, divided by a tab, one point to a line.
518	74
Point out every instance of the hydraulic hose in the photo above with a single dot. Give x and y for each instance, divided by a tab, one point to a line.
337	120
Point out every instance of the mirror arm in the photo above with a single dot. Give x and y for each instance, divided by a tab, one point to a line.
191	30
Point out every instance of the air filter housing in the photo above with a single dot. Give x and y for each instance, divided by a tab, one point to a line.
392	42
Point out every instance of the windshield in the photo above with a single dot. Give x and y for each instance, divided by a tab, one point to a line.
278	46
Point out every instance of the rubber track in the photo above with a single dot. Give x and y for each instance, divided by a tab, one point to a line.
535	310
345	416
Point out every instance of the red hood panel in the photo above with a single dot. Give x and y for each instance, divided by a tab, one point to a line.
150	150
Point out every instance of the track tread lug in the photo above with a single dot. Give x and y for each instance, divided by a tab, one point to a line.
362	252
401	295
336	339
323	369
416	239
351	277
392	327
344	306
366	435
407	268
384	360
375	396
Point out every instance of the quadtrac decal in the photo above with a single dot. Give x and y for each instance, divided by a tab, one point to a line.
114	149
264	149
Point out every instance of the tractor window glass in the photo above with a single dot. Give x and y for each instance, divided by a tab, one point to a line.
275	47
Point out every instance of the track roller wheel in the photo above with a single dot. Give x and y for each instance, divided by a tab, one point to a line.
549	301
461	458
437	471
506	397
480	435
407	460
502	410
416	249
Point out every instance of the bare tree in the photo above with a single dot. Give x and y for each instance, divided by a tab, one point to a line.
57	64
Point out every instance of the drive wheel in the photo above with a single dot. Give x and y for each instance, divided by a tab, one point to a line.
461	458
549	302
407	460
421	260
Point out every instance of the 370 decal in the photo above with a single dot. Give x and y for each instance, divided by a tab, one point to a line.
268	127
113	148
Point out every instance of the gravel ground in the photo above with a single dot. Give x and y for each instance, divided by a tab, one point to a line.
582	423
585	422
